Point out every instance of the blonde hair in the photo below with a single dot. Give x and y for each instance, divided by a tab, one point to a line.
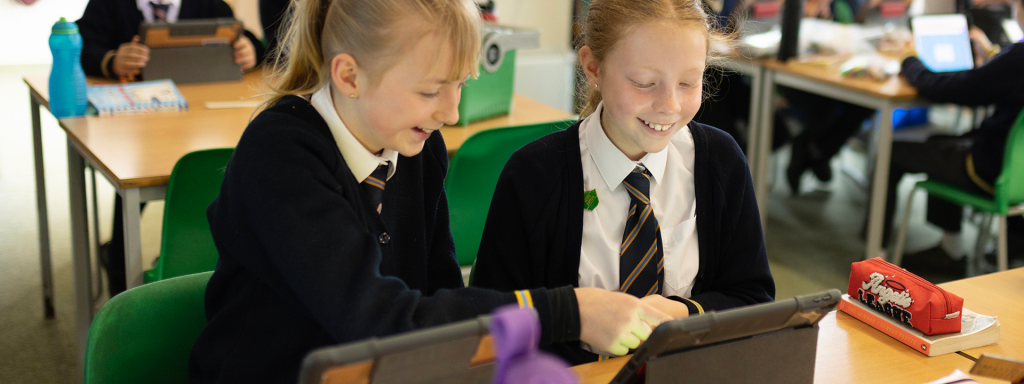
374	32
608	20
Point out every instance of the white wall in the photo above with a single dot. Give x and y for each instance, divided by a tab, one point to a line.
544	74
552	17
25	30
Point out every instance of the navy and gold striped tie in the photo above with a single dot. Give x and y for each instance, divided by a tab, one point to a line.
159	11
641	257
373	186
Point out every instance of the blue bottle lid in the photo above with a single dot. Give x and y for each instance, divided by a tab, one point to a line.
64	27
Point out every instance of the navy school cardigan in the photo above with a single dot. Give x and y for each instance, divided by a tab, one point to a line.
305	262
534	229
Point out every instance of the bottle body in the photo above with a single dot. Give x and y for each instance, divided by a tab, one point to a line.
67	79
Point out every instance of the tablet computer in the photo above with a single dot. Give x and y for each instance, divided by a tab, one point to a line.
942	43
714	328
457	352
192	51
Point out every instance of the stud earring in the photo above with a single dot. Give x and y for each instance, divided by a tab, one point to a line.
352	96
595	87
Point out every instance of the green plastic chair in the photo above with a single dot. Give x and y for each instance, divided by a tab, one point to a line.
145	334
186	245
1008	200
473	174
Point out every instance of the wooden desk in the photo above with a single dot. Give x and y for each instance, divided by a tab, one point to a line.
826	81
136	154
850	351
997	294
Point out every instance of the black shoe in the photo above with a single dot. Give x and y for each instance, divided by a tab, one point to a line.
822	170
934	261
798	163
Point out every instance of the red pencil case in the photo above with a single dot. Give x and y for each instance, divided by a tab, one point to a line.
905	297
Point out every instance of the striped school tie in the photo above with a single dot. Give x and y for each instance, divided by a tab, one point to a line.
159	11
373	186
641	257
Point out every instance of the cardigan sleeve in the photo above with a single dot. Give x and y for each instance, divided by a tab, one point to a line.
993	82
737	271
99	29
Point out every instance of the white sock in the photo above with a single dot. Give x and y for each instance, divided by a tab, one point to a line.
953	245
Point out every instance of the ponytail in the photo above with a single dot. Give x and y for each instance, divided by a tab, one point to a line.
298	59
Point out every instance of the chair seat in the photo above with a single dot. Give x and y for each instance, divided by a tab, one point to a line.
953	194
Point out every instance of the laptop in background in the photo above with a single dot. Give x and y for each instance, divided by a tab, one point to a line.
942	42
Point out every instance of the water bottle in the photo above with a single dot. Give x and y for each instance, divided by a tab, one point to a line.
67	79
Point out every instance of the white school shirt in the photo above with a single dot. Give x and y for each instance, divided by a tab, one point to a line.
147	10
360	160
672	197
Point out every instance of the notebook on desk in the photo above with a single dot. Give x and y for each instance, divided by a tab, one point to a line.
788	327
942	43
192	51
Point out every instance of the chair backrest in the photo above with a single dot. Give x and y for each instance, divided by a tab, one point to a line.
145	334
1010	188
474	172
186	245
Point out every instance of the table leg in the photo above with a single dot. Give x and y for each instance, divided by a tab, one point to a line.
79	251
132	237
753	123
880	180
45	264
764	152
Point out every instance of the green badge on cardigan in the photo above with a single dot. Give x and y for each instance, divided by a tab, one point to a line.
590	200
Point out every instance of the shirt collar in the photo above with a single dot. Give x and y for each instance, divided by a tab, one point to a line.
147	10
359	159
613	165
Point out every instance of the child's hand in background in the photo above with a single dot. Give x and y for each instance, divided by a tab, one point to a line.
245	53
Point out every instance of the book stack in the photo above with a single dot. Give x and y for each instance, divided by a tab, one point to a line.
976	330
133	98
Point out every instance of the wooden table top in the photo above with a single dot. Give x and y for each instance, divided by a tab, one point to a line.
996	294
850	351
895	88
140	150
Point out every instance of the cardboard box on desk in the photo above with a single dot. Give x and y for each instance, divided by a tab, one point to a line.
192	51
490	94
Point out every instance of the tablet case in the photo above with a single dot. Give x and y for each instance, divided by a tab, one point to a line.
437	355
773	342
192	51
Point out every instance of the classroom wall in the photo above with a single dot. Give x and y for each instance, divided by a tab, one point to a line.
544	74
25	29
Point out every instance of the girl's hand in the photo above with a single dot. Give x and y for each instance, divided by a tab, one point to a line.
671	307
614	321
245	53
130	58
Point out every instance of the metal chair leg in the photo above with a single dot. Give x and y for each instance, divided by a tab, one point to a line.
897	254
976	258
1003	245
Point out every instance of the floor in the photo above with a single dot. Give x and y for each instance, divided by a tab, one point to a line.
811	239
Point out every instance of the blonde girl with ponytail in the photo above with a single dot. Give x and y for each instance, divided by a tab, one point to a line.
332	221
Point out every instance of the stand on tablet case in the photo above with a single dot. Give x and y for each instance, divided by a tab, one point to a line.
785	356
773	342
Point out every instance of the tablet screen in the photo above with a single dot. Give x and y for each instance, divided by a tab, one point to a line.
942	43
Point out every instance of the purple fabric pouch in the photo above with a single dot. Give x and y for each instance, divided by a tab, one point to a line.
516	333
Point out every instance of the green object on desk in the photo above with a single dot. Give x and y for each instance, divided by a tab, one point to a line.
145	334
488	95
1008	199
473	174
186	245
